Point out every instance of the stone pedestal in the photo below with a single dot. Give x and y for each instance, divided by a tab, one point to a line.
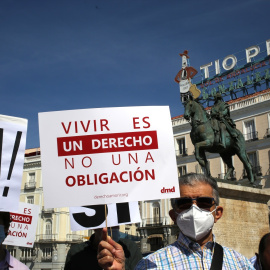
245	218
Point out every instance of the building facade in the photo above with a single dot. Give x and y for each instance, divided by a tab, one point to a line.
252	117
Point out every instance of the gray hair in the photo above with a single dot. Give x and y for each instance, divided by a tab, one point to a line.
192	179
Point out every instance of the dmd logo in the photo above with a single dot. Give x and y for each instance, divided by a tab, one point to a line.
168	190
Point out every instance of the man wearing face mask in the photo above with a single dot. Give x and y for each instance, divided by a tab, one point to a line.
195	213
6	260
84	255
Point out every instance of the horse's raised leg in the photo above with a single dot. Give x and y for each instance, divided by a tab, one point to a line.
200	155
227	159
245	160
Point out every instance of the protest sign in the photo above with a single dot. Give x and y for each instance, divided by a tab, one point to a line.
108	155
12	148
93	216
22	230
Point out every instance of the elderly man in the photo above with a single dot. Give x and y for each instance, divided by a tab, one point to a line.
6	260
195	212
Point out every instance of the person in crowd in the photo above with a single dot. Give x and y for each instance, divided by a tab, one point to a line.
261	261
84	255
195	213
6	260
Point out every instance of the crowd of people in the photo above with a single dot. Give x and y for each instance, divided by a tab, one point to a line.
195	213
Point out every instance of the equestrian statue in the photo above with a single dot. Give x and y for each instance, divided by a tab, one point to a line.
215	132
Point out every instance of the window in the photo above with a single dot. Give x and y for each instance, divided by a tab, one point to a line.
182	170
156	212
46	254
254	160
268	129
27	253
31	177
31	183
30	199
224	170
48	229
181	147
250	132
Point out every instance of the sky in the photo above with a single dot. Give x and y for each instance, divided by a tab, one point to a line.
77	54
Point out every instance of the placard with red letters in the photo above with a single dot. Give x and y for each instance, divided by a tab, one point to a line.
22	229
107	155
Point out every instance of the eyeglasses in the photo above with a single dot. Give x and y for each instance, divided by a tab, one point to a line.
202	202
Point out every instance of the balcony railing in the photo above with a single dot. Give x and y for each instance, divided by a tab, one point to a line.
181	152
252	136
231	177
152	222
27	259
74	237
30	185
46	258
47	210
46	237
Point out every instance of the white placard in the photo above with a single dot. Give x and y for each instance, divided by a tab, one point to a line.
12	149
107	155
22	230
93	216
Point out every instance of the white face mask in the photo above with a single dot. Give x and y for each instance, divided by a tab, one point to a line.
195	222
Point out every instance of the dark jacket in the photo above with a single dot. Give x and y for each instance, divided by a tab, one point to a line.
83	256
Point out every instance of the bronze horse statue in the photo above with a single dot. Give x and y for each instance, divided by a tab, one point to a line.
203	138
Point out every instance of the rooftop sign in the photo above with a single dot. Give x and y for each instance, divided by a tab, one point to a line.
236	75
230	61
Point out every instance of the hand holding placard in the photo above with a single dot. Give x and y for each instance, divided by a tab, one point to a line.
110	254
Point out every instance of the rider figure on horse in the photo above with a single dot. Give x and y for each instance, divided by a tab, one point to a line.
221	120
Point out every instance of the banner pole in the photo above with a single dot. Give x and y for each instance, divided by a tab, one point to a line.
106	219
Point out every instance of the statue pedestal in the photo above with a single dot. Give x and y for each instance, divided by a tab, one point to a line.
245	218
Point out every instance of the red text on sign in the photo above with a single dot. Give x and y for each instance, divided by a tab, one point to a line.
21	218
80	126
137	123
105	143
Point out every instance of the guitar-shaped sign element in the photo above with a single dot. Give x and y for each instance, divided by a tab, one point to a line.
184	77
